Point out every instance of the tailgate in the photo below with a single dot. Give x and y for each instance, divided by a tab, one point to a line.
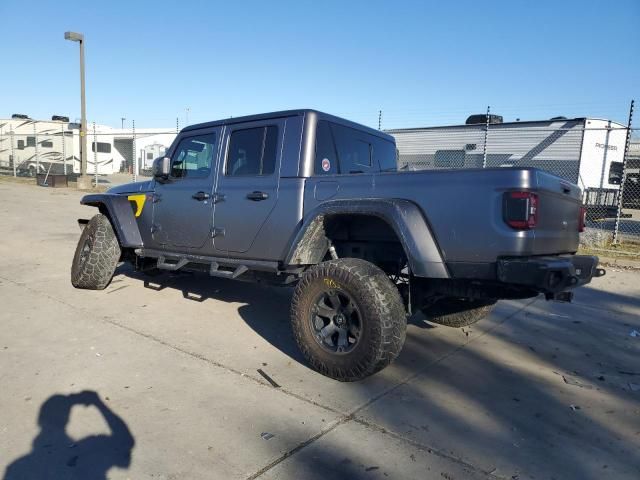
559	205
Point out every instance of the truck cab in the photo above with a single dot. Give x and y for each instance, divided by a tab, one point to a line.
230	176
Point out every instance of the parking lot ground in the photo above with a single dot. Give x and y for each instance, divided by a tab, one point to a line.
157	378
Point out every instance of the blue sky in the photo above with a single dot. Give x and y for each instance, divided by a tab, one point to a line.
421	63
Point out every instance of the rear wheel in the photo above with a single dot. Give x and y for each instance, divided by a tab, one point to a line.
348	319
458	312
96	256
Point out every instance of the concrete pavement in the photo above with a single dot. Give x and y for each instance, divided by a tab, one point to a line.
169	367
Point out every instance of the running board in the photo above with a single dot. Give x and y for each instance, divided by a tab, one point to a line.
217	267
214	269
172	267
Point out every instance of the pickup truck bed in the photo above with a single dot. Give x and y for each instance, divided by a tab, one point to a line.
464	209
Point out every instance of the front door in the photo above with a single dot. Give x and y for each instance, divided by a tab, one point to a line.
183	207
247	183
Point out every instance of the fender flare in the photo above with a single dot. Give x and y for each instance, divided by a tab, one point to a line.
310	244
121	215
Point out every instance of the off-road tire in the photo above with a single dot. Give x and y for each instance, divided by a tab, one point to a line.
96	256
384	319
458	312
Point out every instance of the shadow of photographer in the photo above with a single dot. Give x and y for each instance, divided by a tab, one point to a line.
54	454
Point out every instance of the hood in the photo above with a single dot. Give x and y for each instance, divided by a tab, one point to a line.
135	187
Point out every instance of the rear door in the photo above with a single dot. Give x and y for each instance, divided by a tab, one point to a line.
183	208
247	188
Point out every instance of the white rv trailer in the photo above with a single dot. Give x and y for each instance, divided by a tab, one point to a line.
585	151
150	153
41	146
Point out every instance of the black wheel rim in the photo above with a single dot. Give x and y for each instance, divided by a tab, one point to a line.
86	250
336	322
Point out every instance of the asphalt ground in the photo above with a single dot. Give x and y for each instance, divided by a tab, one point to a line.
158	378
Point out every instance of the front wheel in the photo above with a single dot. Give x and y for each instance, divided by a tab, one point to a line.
96	256
348	319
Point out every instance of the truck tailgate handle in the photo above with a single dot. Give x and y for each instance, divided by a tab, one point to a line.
200	196
257	196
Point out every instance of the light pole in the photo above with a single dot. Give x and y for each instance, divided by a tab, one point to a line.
84	181
122	119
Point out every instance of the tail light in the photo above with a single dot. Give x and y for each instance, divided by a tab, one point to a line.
520	210
581	220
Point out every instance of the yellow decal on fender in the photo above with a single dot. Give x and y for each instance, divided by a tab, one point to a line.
139	201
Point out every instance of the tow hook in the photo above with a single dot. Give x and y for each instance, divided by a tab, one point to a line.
600	272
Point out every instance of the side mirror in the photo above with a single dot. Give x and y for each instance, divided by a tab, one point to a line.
161	167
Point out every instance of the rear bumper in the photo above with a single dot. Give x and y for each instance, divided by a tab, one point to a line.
549	275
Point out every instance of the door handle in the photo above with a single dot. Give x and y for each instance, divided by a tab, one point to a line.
200	196
257	196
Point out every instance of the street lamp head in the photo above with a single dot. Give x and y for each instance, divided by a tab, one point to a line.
73	36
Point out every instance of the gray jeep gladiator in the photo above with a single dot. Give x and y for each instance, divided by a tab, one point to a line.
308	199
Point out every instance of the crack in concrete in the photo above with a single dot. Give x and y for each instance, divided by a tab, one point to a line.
427	448
352	415
343	419
198	356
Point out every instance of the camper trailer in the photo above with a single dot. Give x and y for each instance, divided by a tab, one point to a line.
585	151
149	153
29	146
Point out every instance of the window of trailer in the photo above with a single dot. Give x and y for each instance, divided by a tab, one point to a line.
102	147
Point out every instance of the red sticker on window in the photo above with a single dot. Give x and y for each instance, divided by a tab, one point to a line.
326	164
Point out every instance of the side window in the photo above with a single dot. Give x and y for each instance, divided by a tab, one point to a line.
385	154
20	144
354	149
194	156
31	141
326	157
46	144
615	173
252	151
449	158
342	149
102	147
